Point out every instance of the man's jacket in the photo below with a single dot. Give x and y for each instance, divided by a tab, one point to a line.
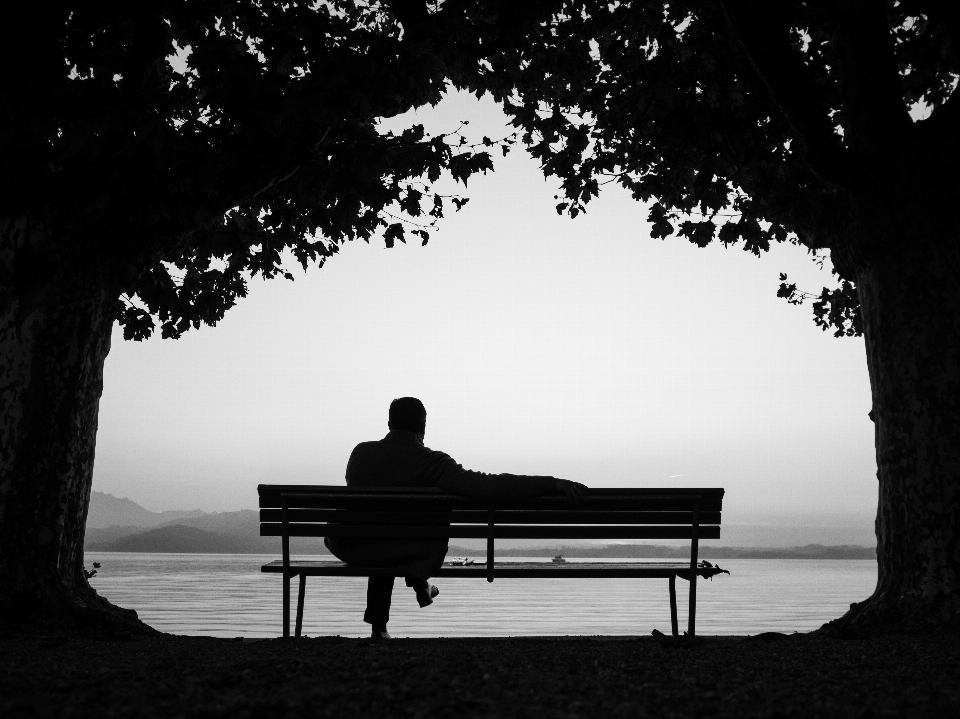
401	460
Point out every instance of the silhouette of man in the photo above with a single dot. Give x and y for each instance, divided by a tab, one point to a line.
401	460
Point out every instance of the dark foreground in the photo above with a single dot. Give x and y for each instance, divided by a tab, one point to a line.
168	676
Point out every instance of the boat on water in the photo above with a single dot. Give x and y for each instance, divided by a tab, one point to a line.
559	559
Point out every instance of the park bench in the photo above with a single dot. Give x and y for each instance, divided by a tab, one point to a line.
337	511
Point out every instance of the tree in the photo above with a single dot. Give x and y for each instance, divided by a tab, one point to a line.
135	193
829	124
154	156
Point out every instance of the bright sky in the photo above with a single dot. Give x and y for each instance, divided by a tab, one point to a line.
539	344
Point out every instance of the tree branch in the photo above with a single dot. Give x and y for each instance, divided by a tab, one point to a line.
147	50
875	117
762	29
410	13
942	125
946	12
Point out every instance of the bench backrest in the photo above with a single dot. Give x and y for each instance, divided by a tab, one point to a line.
338	511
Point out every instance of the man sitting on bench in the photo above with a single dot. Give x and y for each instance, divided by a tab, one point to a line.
401	460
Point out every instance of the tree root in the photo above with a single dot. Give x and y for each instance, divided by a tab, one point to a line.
80	612
879	614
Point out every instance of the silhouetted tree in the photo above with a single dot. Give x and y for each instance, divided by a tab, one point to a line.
135	193
829	124
153	155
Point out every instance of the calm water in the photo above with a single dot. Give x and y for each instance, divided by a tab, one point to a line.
226	595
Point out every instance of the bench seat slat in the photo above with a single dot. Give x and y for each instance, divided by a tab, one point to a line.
471	516
570	570
265	489
463	531
448	502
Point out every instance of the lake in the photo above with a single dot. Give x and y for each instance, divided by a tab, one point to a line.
226	595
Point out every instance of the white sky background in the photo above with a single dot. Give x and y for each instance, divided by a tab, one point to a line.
539	344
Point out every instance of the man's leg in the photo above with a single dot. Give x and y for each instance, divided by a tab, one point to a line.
424	590
379	594
418	585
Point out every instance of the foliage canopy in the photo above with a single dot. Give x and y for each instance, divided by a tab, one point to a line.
746	122
176	147
172	149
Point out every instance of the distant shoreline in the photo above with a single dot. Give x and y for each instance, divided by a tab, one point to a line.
182	540
648	551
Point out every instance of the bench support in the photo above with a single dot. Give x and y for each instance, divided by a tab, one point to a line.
286	570
673	607
692	623
303	589
490	542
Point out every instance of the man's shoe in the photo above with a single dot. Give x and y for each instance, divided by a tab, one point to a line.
425	598
376	636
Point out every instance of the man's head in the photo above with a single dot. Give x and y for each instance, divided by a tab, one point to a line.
408	413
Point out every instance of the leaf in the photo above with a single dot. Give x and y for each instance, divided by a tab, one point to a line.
137	323
413	134
410	202
394	232
462	166
660	226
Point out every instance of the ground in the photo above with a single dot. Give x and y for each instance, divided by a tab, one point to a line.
897	675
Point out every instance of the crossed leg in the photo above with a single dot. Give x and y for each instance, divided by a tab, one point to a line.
380	594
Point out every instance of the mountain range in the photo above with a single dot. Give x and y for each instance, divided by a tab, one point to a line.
109	511
117	524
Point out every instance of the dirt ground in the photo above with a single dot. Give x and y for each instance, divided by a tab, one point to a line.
173	676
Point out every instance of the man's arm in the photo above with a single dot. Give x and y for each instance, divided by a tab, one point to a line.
480	485
573	490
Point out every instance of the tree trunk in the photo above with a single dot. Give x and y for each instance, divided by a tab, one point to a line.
911	312
54	338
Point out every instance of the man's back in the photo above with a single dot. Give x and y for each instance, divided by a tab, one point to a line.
401	460
398	460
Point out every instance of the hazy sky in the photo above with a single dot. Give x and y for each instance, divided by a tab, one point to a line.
539	344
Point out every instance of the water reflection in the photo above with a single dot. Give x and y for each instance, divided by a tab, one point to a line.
225	595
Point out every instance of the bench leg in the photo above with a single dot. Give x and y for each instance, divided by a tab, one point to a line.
286	605
303	586
673	607
692	624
